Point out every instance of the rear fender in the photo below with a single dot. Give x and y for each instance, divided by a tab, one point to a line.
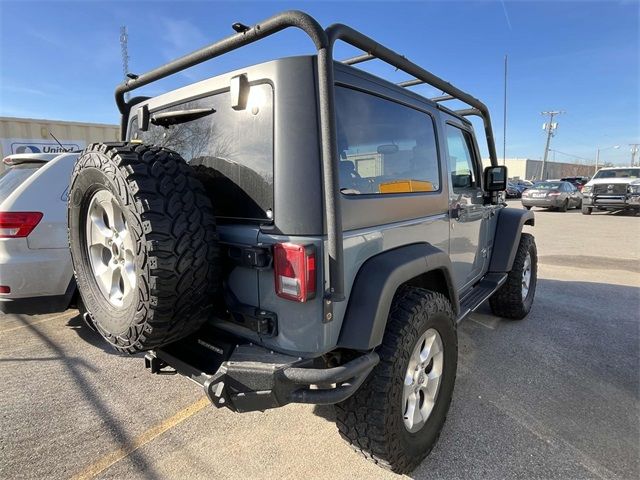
376	283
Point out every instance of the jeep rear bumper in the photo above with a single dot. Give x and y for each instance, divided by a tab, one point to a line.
247	377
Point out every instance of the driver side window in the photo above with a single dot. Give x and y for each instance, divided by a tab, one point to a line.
461	166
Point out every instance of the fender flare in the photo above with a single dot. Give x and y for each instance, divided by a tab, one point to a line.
375	285
507	237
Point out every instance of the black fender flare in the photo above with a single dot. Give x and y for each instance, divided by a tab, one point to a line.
507	237
375	286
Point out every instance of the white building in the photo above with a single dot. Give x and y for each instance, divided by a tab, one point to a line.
529	169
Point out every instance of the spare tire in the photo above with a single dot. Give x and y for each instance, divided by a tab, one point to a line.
143	243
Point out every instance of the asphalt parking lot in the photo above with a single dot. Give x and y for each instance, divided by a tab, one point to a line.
556	395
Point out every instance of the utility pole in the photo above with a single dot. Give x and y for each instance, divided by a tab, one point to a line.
124	37
634	150
550	128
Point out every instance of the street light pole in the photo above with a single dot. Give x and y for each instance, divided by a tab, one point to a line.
598	156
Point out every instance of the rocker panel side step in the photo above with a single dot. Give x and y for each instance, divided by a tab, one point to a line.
480	293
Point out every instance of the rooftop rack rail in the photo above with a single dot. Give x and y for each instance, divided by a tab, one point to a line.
323	41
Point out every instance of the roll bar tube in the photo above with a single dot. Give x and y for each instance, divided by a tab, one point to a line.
338	31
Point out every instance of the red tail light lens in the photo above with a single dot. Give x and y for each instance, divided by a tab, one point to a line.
295	271
553	193
5	289
18	224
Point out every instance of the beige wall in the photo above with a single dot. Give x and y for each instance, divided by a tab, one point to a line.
526	168
27	133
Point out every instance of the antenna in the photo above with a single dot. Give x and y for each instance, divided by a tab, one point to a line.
124	51
58	142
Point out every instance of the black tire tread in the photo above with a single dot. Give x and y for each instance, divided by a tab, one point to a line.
174	222
363	420
507	301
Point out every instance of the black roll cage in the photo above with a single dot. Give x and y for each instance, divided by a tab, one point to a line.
323	40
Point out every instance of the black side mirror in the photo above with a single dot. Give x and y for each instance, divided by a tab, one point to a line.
495	178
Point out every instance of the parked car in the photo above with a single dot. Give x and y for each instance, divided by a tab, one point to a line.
521	185
577	182
512	191
36	275
613	188
552	194
225	236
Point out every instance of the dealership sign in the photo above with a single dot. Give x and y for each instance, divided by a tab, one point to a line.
21	145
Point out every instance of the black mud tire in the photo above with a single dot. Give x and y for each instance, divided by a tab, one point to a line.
170	218
371	420
507	302
528	207
586	210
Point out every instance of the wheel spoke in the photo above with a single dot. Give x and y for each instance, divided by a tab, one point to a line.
100	232
412	415
128	273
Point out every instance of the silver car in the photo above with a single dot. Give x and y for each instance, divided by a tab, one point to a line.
36	275
552	194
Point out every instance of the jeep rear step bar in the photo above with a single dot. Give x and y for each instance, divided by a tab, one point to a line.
323	40
246	377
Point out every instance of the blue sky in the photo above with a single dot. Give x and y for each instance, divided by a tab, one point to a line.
61	60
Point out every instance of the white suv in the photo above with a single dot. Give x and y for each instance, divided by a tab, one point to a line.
36	275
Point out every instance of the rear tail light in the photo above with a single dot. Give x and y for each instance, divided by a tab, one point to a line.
295	271
18	224
553	193
5	289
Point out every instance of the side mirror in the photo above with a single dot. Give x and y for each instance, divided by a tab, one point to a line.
495	178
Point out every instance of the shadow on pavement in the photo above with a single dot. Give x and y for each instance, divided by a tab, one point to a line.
98	404
555	395
94	338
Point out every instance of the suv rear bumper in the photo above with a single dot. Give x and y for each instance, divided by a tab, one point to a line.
247	377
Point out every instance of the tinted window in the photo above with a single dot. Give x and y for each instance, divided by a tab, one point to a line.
460	148
12	178
384	147
548	186
233	148
619	173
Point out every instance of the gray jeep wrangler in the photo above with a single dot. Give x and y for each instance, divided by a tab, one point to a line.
301	231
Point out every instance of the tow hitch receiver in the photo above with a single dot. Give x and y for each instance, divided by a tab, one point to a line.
247	377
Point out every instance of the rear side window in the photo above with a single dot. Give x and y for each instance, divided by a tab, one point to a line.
13	178
232	150
384	147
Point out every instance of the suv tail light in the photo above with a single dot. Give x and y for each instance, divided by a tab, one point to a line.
295	271
18	224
